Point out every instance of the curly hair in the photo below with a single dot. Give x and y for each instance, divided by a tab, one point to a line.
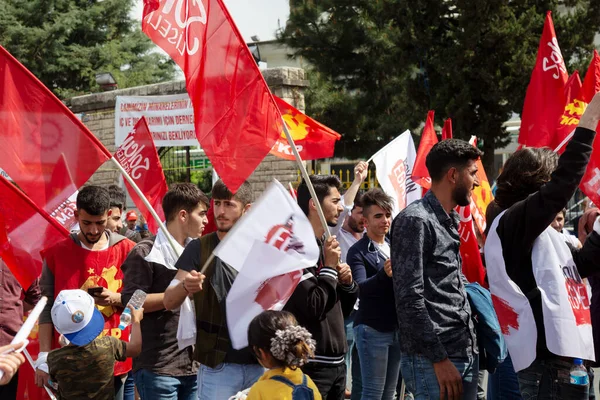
524	173
278	333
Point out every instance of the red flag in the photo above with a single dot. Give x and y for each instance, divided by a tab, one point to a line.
447	129
572	113
25	230
211	226
420	173
237	121
591	83
38	133
137	155
313	139
472	266
544	100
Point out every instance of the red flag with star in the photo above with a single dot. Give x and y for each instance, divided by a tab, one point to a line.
313	139
572	113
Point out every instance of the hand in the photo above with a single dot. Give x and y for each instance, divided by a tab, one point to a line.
193	282
41	370
107	298
387	267
361	170
344	274
10	362
137	315
449	379
142	219
591	115
332	252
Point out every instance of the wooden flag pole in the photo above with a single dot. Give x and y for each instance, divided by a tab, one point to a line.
309	184
146	203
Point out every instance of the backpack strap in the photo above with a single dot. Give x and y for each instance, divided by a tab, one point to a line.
286	381
304	380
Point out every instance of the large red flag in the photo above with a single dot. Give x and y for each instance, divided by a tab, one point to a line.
237	121
25	230
40	134
313	139
420	173
572	113
544	100
591	83
137	155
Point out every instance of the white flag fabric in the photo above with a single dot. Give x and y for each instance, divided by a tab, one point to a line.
269	246
565	300
394	165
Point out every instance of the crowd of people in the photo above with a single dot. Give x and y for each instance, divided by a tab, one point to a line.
385	307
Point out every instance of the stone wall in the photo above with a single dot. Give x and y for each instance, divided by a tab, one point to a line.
97	112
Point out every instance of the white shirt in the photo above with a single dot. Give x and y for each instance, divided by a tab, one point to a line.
345	238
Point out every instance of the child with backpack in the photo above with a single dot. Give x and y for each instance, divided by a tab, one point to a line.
281	346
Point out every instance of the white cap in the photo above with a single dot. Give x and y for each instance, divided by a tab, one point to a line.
75	316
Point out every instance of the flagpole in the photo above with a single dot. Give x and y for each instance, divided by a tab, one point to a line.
146	203
32	363
309	184
564	142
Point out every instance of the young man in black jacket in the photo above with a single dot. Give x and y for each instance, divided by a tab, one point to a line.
326	294
540	298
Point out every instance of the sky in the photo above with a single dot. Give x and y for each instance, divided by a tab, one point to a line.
252	17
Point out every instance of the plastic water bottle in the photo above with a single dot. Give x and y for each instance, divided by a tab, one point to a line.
136	301
579	375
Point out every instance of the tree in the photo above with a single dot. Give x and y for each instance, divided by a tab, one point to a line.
65	43
379	66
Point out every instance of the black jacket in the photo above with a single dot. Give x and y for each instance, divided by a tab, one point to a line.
525	220
320	304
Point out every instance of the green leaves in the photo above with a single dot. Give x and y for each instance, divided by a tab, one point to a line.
379	66
66	42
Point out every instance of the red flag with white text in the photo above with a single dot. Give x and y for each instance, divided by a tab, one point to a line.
313	139
420	173
472	266
137	155
25	230
237	122
42	139
544	100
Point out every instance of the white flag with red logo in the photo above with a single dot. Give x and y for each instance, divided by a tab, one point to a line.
394	165
269	247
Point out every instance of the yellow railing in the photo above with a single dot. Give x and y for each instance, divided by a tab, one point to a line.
346	177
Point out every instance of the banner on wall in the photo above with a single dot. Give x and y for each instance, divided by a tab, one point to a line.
170	118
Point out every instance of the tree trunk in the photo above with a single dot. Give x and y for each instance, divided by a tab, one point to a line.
488	159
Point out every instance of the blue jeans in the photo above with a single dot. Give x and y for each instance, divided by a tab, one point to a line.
504	383
379	355
225	380
353	379
124	387
422	382
160	387
549	379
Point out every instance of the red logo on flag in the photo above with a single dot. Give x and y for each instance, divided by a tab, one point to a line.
506	315
398	179
282	237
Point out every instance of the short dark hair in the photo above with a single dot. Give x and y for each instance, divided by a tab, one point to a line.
377	197
243	194
322	184
93	199
451	153
182	196
358	199
524	173
118	198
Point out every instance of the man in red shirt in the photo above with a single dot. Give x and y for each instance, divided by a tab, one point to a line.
89	260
